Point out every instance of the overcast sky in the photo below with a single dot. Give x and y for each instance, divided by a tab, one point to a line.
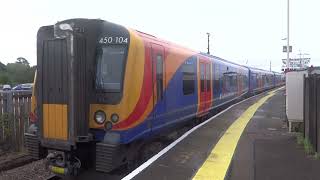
242	31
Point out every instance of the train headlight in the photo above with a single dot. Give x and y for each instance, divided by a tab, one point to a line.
108	126
114	118
100	117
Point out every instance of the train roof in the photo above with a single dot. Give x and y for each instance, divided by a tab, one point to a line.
260	70
223	60
277	73
150	36
155	38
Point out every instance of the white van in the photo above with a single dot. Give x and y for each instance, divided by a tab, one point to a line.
6	87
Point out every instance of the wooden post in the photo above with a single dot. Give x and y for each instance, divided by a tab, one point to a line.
1	118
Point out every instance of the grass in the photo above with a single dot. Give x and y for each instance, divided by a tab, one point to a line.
307	146
317	156
300	139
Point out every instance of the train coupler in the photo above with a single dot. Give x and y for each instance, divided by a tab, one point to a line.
59	170
62	163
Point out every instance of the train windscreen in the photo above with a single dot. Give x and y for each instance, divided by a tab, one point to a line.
110	67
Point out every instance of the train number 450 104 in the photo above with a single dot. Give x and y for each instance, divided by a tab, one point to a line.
113	40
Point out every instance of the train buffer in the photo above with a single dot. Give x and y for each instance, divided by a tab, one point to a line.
247	141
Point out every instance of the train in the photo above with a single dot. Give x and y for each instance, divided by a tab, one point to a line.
103	91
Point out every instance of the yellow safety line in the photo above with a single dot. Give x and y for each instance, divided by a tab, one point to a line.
218	161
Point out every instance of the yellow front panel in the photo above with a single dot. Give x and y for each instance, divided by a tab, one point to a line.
55	121
33	97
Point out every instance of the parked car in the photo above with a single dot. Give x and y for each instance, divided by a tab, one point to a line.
19	87
6	87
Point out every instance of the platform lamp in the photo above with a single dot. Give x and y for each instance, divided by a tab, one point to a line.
288	45
208	43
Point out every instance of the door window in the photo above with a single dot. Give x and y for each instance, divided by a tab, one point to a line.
159	76
188	78
202	77
208	78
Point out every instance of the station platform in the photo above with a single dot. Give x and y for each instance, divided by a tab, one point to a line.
249	140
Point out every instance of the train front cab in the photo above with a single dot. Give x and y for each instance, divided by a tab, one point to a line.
86	115
65	87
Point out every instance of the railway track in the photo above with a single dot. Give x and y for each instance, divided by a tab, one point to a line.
32	171
14	161
53	177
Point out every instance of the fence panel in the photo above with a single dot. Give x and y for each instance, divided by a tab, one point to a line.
318	112
306	104
14	110
312	110
313	113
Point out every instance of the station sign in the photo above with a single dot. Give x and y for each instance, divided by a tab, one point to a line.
296	63
284	48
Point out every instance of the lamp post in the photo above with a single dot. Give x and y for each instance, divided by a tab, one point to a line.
208	43
288	50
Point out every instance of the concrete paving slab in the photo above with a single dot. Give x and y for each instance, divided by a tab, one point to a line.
267	151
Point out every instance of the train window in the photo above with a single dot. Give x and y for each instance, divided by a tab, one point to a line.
202	77
245	81
110	67
232	77
208	78
230	81
188	78
235	81
227	82
216	80
159	77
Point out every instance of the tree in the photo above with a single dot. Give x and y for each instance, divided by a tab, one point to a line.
2	67
22	60
17	73
4	79
3	74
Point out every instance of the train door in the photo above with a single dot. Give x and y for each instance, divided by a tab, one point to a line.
216	80
240	82
159	100
208	86
205	86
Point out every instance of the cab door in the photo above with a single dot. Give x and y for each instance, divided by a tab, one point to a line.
159	100
205	86
208	93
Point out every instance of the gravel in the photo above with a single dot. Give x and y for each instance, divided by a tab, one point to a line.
33	171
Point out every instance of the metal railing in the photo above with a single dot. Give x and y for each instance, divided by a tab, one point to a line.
15	107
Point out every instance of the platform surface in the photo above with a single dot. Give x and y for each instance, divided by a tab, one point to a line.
265	150
184	160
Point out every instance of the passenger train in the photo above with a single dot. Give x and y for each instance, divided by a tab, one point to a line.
102	91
